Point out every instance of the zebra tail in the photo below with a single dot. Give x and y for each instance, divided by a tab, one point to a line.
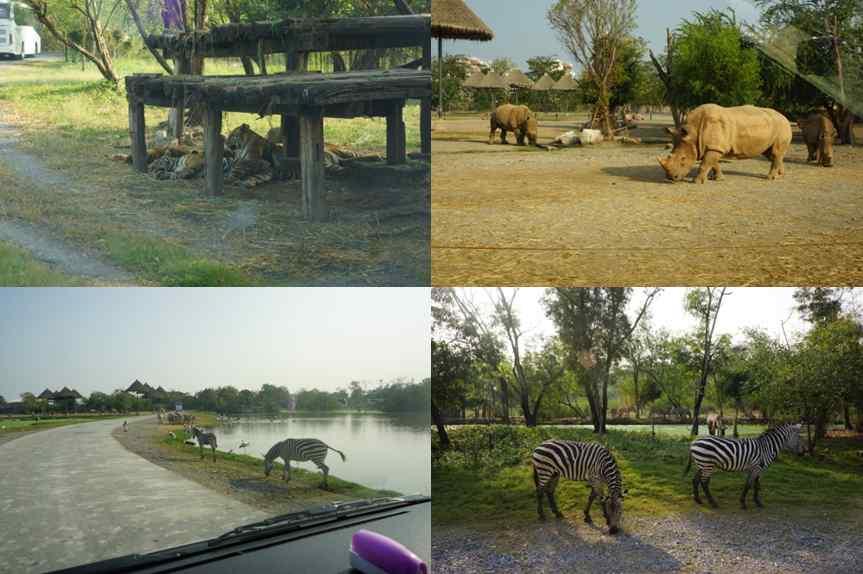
338	451
688	464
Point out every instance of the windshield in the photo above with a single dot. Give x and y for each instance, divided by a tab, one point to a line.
5	11
134	421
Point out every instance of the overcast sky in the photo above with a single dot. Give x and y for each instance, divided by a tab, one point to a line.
743	307
522	30
187	339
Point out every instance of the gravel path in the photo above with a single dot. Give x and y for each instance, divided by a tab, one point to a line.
695	542
74	495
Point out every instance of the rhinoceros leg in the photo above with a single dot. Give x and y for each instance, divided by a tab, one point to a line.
503	136
709	164
813	152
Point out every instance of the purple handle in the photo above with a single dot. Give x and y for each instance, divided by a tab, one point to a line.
386	553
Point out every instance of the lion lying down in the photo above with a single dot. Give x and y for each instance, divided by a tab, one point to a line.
249	159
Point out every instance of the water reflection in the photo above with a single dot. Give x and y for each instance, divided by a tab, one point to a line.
383	451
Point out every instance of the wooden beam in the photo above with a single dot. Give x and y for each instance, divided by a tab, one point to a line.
396	152
138	135
213	150
425	105
312	163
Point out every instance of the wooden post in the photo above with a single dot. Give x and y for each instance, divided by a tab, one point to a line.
312	163
176	120
262	58
396	152
213	149
294	62
138	135
425	106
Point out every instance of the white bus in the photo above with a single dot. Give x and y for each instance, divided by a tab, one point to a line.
16	41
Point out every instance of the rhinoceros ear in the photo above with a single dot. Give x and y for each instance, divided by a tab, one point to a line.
671	131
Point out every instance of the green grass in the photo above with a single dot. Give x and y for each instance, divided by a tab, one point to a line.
18	268
485	479
12	425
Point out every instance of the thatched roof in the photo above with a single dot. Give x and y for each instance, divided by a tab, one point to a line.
474	80
136	387
493	80
47	394
453	20
543	84
67	393
518	79
565	83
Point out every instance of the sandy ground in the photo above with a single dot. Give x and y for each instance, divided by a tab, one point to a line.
73	495
693	542
508	215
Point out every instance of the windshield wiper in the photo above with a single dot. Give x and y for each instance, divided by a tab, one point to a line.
325	513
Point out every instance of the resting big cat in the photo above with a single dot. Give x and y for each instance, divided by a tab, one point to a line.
518	119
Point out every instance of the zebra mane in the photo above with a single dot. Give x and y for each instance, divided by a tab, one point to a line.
777	436
273	452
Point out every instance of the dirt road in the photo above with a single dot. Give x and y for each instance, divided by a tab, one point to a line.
604	215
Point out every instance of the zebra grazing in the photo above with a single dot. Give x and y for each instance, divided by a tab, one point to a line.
752	455
299	449
205	438
586	461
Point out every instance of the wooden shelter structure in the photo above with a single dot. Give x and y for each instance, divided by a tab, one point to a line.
474	80
302	99
543	84
454	20
517	80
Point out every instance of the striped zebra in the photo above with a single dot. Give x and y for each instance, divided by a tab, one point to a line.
299	449
751	455
205	439
586	461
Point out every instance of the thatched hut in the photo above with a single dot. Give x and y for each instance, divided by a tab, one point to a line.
453	20
543	84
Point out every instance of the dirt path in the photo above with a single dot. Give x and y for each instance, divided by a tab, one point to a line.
74	495
505	215
41	245
695	542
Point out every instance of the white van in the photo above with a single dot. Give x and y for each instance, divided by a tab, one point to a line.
30	41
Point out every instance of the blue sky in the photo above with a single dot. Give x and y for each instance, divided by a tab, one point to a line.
522	31
188	339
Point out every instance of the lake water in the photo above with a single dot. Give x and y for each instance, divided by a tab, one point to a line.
383	451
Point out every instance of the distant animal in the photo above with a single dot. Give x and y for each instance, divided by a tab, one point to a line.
243	444
299	449
205	439
715	425
517	119
172	435
819	134
586	461
125	426
750	455
712	132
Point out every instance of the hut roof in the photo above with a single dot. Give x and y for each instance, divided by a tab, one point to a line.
135	387
453	20
493	80
565	83
67	393
474	80
47	394
518	79
543	84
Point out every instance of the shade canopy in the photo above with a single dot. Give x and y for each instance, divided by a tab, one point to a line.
474	80
453	20
493	80
565	83
517	79
543	84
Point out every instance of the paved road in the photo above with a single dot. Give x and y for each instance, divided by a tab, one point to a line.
73	495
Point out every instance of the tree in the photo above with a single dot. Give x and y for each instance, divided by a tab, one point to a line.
594	32
454	74
502	66
2	400
449	366
704	304
538	66
712	63
31	403
593	326
819	304
97	16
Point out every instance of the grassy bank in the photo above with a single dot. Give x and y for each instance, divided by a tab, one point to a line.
18	268
167	232
27	424
485	478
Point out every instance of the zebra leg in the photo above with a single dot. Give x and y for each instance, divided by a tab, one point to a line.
326	471
696	480
549	491
590	500
749	480
539	509
706	485
757	492
214	452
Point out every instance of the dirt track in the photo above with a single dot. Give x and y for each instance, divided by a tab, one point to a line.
505	215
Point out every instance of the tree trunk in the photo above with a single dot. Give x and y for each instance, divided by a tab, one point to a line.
846	415
437	417
504	388
637	398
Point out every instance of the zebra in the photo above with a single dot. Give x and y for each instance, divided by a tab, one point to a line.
299	449
752	455
205	438
586	461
